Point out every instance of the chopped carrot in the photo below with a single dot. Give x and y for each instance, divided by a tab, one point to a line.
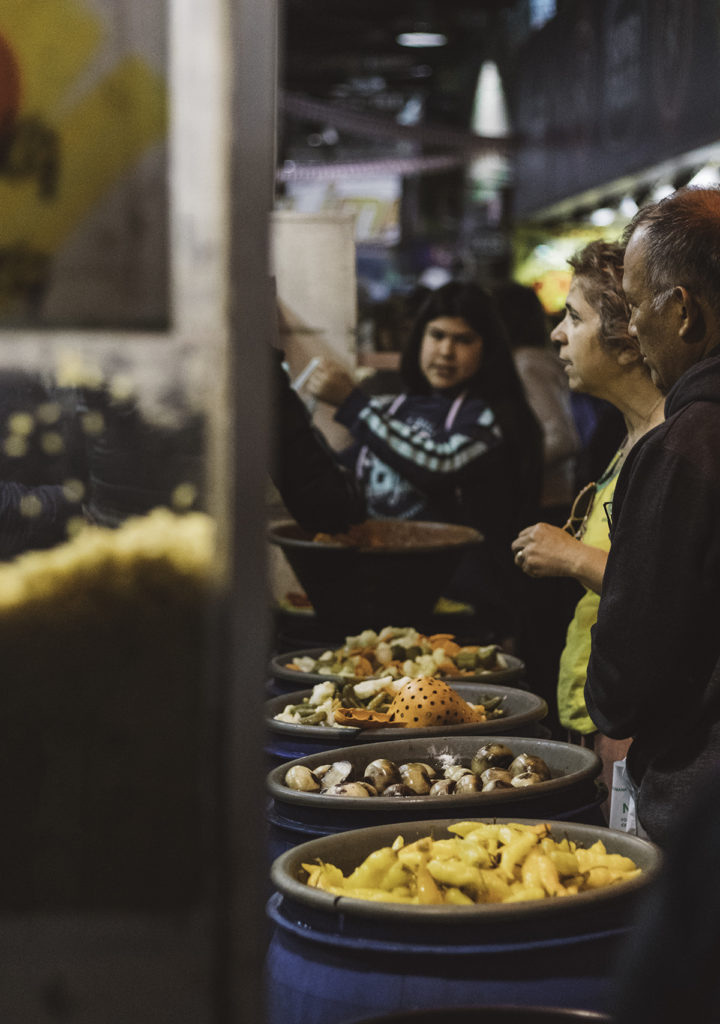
362	667
449	668
449	646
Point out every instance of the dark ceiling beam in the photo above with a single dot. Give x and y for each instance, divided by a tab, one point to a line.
406	167
351	121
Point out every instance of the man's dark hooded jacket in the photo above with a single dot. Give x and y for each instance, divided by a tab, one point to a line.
654	671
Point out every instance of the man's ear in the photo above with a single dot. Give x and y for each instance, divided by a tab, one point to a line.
689	313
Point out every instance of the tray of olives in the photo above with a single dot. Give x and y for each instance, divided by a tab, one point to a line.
408	779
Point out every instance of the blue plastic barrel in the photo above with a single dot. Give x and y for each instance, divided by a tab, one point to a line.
329	964
316	976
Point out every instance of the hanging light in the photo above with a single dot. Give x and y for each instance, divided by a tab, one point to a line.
489	113
421	38
602	217
489	117
628	207
707	175
661	191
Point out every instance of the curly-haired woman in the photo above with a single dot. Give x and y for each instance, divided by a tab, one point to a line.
601	359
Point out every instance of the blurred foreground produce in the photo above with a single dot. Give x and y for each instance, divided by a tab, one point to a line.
104	646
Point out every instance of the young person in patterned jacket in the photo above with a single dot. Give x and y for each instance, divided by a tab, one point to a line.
458	445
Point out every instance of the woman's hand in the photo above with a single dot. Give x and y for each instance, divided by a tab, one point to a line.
545	550
330	382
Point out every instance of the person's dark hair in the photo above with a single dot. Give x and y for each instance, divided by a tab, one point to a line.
496	376
682	244
600	267
523	314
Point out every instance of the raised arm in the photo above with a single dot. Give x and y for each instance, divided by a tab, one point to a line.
318	492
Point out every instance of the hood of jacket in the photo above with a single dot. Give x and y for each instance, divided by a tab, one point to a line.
701	383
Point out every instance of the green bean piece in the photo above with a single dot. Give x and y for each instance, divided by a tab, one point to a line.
466	659
349	698
487	656
378	700
317	719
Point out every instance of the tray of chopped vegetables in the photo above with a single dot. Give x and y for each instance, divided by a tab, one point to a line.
399	651
314	713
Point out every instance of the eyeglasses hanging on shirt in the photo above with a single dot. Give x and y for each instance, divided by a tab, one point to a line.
580	512
577	521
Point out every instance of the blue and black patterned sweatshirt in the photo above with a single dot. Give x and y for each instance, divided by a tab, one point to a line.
442	457
417	456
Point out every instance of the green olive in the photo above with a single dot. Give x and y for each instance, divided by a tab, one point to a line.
530	763
491	755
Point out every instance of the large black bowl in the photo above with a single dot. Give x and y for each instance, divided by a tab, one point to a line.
348	849
398	576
